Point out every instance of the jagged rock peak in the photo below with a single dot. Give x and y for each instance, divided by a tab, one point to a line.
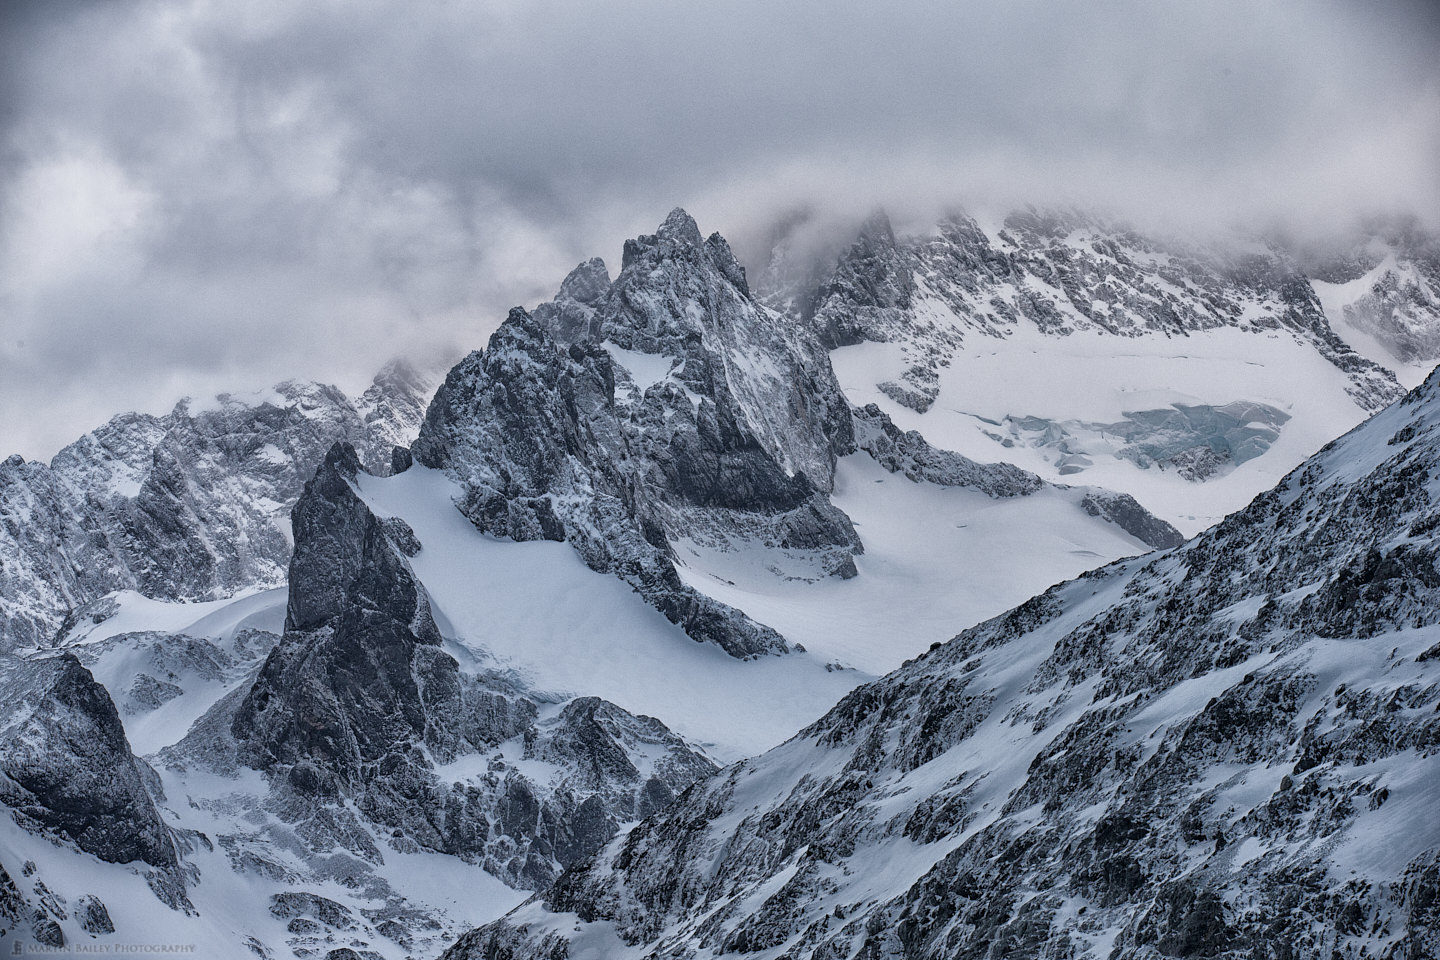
399	375
874	274
672	405
680	226
347	682
679	238
66	764
344	558
876	228
587	283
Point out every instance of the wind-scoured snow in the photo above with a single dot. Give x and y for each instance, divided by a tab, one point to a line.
934	557
536	609
1087	376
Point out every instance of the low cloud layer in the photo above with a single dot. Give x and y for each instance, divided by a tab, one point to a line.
198	196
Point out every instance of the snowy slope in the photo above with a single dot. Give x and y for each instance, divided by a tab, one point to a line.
1042	403
593	636
1228	750
934	557
681	435
1082	350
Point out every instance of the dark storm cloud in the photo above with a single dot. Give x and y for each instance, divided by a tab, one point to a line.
199	195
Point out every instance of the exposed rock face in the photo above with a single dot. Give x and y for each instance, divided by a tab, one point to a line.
870	284
1126	513
1228	750
68	767
908	453
189	506
93	916
343	687
666	403
67	774
1389	288
392	408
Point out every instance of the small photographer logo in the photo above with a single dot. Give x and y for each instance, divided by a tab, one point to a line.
138	950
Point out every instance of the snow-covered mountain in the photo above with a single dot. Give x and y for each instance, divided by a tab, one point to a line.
1231	749
192	505
343	782
1382	295
1191	376
464	665
666	422
481	662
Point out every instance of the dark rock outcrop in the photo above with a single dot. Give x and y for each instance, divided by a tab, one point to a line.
343	687
67	764
359	705
1126	513
910	454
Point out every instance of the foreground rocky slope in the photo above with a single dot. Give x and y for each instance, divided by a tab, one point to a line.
192	505
1226	750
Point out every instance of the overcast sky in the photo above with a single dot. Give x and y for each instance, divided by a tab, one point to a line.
198	196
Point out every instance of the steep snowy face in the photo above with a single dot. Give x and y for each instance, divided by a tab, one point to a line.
1225	750
1191	377
1383	297
672	405
192	505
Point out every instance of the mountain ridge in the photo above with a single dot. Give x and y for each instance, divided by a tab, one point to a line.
186	506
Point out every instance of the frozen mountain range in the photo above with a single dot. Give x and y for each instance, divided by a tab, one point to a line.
193	505
301	674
